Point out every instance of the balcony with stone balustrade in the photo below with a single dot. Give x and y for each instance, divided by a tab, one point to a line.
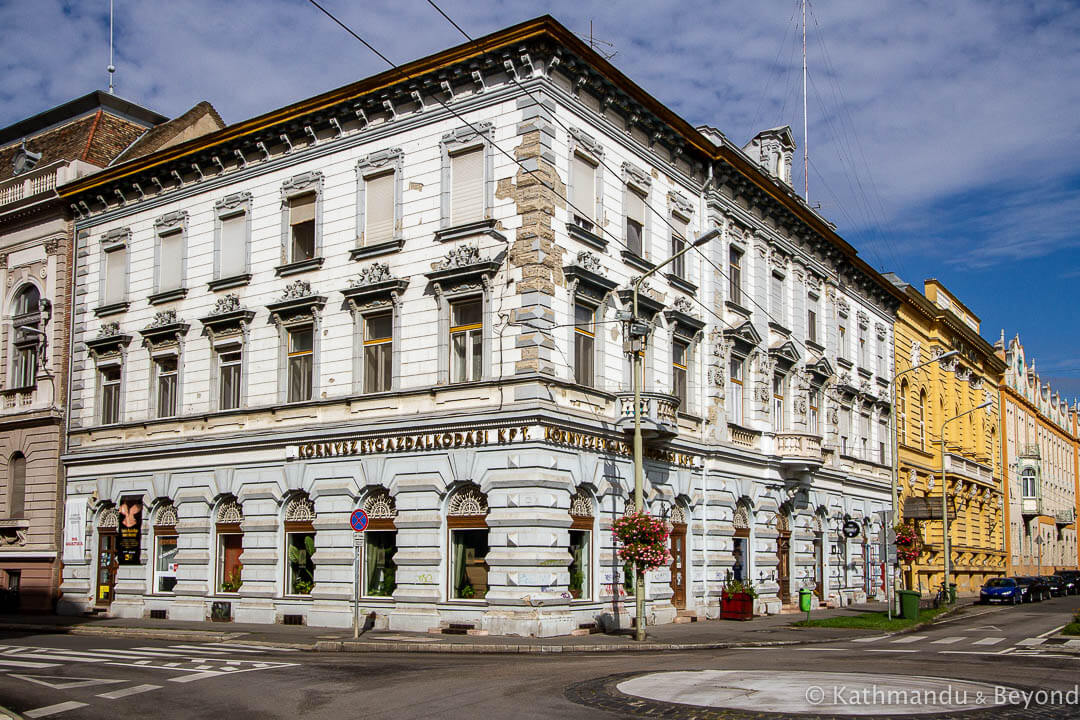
659	414
799	451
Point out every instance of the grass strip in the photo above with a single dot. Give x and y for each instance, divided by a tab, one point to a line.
871	621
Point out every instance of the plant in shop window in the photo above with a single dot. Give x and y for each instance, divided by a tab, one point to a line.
642	540
303	579
232	581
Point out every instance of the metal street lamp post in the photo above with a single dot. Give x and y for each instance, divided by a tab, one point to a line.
637	348
896	457
945	497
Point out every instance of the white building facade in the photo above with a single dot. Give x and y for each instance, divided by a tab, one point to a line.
409	298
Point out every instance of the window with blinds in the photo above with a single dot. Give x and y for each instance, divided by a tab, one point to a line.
233	253
467	186
171	260
735	275
379	209
635	222
583	195
116	276
302	227
776	298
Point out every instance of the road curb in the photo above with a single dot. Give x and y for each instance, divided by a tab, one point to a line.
150	633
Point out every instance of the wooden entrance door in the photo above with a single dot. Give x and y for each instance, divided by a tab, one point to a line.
106	568
678	565
783	565
819	567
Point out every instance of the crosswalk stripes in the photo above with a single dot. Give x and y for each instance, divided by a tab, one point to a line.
989	641
908	639
978	645
948	640
1029	642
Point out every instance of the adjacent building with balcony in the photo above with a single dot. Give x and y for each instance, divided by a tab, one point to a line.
1040	462
968	468
36	155
411	297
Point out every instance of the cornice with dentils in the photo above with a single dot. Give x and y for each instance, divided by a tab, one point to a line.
544	27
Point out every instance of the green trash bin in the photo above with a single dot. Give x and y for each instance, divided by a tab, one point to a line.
805	599
909	604
952	593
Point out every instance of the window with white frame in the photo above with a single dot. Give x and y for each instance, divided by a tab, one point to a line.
302	227
300	546
635	220
864	437
467	204
581	530
776	298
845	430
861	358
1030	486
841	340
584	344
233	228
678	242
735	398
166	371
230	360
735	262
115	290
109	377
813	410
26	328
583	194
165	547
680	355
301	356
880	352
170	259
812	318
779	383
466	339
378	352
379	207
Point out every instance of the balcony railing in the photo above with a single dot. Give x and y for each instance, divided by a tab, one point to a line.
799	449
959	465
1031	450
1065	517
35	182
1029	507
744	438
658	412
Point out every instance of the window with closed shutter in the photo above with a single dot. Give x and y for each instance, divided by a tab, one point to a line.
467	186
379	209
777	298
635	221
678	242
302	227
116	276
170	271
233	259
584	192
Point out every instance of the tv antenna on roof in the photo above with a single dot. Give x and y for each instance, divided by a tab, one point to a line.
608	50
111	68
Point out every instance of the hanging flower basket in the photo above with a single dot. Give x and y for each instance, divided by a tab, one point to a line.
908	545
643	540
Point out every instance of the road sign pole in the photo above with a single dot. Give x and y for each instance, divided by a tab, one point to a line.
356	591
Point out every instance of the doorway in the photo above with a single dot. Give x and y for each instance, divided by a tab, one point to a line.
106	572
678	565
783	563
819	567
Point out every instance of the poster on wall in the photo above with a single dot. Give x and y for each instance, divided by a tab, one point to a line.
75	530
131	507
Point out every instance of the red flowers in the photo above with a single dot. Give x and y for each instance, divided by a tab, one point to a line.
907	543
643	540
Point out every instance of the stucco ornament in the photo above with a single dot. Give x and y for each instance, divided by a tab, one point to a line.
226	304
682	304
300	509
371	275
380	505
109	329
297	289
166	516
468	501
461	256
916	353
230	512
581	505
588	261
163	318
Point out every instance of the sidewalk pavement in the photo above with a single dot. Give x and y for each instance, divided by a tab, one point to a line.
701	635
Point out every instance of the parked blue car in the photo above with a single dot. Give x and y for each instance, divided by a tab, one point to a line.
1002	590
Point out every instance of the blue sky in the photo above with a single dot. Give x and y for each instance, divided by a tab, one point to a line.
943	136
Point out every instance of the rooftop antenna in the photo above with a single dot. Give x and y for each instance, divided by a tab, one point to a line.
805	148
112	68
608	51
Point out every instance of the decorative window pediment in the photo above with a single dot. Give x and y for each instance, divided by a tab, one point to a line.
300	509
785	353
463	267
635	176
682	318
648	304
109	518
164	330
380	505
227	317
821	369
581	505
109	342
114	239
168	221
230	512
300	183
469	500
374	286
744	337
166	516
586	274
681	205
298	302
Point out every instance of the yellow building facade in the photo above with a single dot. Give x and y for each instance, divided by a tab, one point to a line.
941	400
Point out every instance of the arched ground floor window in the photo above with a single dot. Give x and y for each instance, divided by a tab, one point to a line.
230	546
165	547
299	546
466	522
581	562
380	545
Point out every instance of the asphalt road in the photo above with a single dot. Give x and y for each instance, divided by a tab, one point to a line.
70	677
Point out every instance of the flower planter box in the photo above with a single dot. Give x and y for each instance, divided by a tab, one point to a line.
736	606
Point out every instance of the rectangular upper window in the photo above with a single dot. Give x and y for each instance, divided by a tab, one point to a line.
584	192
379	208
466	340
378	352
167	383
635	221
735	401
116	275
679	356
735	257
467	186
584	344
171	260
678	242
233	258
300	362
776	298
302	227
109	382
230	370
